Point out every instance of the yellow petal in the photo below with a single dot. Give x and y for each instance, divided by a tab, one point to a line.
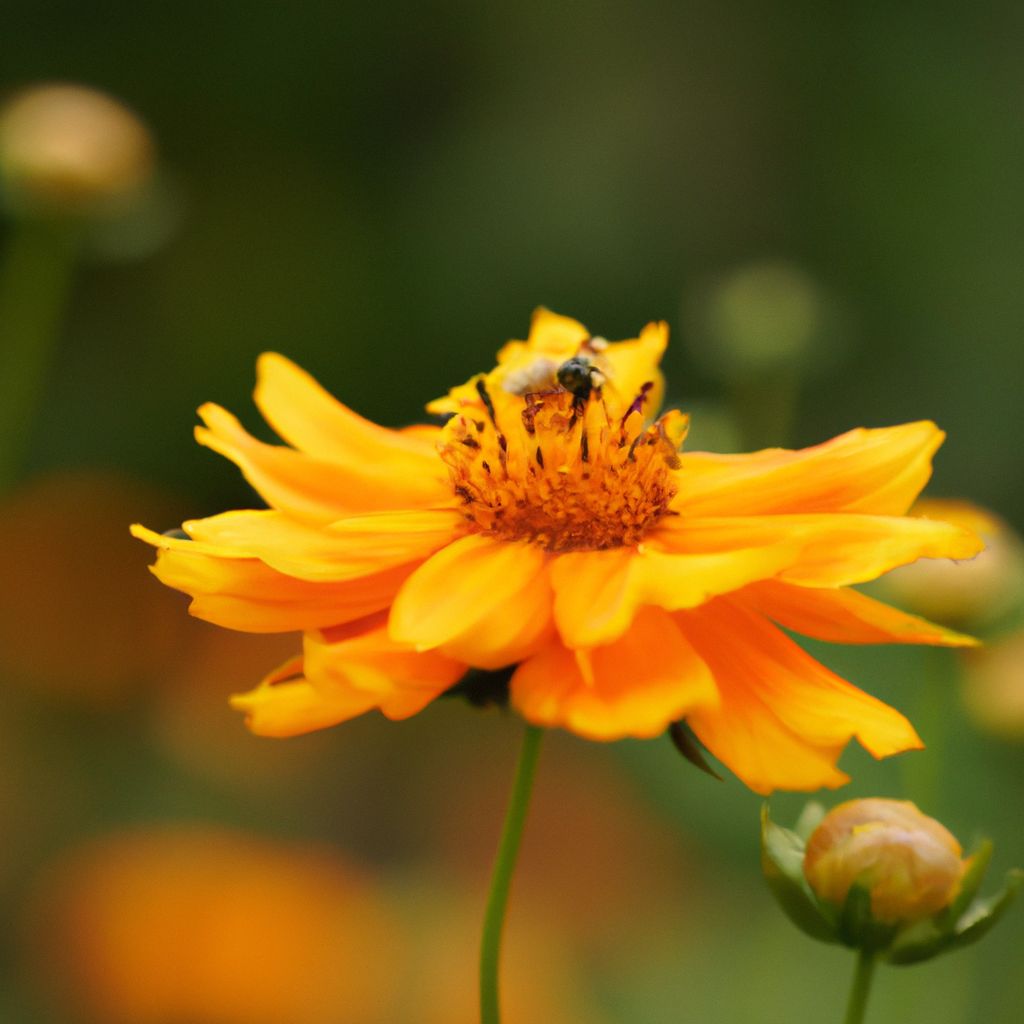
550	334
344	673
783	719
830	550
844	616
315	422
483	601
597	593
245	594
322	490
285	704
400	680
874	471
632	364
350	548
635	686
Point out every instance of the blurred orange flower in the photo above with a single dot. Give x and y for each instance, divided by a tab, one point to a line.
199	924
549	525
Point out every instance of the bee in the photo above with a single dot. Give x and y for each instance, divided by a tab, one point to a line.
580	375
540	375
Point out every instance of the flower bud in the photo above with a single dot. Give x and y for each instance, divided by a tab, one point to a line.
909	863
879	876
67	149
962	593
767	316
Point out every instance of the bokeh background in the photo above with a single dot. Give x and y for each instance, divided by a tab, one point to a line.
825	203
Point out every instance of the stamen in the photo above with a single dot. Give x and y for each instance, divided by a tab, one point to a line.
573	477
481	390
637	405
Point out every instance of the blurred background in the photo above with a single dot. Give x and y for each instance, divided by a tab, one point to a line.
824	202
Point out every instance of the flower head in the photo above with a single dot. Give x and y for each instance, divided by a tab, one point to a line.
550	526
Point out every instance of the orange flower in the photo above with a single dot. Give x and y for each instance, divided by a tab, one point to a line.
548	525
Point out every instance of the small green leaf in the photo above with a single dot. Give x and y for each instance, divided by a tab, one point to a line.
782	861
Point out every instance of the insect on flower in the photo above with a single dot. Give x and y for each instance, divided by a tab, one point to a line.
554	527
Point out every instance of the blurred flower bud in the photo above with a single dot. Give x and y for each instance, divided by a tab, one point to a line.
879	875
908	862
993	686
762	317
962	593
70	150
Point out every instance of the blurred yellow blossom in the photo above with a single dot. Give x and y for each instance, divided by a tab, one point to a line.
962	593
993	686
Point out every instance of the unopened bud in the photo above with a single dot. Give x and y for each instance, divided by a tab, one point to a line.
909	863
761	317
67	149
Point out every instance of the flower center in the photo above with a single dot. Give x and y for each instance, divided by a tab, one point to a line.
556	468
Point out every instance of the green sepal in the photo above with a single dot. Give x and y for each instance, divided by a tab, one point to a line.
810	818
939	934
917	942
857	926
977	865
782	862
982	915
689	746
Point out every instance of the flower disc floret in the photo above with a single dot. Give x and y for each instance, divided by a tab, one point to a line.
557	469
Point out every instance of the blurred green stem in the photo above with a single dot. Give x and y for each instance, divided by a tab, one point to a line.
501	879
921	769
861	987
35	278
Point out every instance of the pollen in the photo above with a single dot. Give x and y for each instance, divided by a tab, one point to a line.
558	469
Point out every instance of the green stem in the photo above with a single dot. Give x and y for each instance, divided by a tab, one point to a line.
501	879
861	987
35	277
